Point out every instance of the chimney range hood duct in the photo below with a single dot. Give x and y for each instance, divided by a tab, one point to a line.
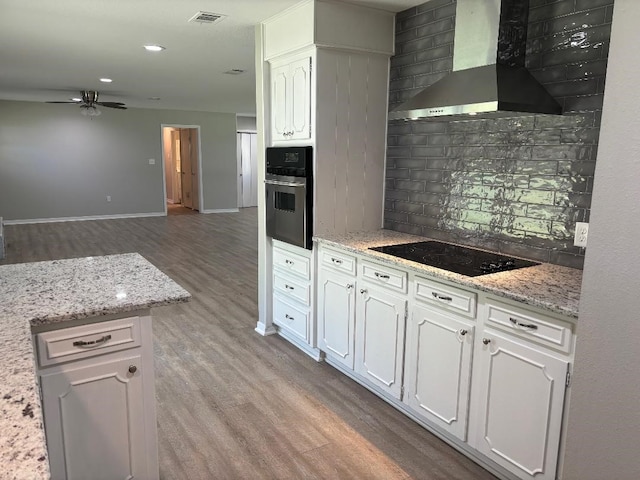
489	77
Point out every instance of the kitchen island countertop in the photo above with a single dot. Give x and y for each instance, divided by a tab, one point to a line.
46	293
550	287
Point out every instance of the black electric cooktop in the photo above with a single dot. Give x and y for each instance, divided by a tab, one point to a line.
462	260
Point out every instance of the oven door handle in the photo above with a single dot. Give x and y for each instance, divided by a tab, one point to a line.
284	184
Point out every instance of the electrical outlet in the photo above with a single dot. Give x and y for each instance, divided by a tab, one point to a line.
152	161
108	198
582	232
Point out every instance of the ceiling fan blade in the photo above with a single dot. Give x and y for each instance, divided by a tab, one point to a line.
118	105
65	102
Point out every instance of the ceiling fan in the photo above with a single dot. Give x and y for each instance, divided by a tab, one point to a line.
89	101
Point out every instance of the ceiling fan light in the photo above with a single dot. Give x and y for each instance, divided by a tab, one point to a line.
89	111
154	48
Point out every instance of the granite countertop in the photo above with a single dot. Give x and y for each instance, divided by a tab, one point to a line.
550	287
44	293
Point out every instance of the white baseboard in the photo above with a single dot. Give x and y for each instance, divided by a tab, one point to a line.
221	210
81	219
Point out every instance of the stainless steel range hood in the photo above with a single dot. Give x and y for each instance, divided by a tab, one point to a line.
488	78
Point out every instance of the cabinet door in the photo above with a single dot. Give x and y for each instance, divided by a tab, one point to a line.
94	421
279	102
522	397
336	316
438	368
380	324
300	100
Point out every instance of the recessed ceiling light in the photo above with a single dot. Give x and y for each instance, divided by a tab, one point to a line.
154	98
106	80
154	48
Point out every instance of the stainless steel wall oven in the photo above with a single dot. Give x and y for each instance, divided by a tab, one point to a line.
289	191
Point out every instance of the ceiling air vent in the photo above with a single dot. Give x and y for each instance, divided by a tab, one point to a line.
207	17
234	71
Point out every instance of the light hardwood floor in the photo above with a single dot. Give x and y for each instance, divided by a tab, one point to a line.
233	404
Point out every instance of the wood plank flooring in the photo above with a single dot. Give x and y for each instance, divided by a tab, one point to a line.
233	404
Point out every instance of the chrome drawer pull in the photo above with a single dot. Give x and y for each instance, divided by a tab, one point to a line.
92	343
289	317
382	276
523	325
441	297
486	341
288	262
288	287
336	260
463	332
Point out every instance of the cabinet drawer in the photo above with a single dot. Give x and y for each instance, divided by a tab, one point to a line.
383	275
445	296
544	330
338	260
85	341
297	290
292	319
292	262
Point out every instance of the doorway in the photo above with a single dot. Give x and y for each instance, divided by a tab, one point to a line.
247	169
182	166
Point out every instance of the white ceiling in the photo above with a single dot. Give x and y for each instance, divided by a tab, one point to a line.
52	49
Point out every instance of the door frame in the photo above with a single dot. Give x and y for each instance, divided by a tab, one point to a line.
164	175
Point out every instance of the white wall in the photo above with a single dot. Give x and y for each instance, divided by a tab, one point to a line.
246	124
56	163
604	418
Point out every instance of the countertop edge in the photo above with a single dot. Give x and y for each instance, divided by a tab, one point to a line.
568	311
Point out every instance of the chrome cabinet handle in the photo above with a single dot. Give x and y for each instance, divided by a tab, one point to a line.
336	260
288	262
349	286
288	317
92	343
363	291
463	332
444	298
486	341
523	325
133	369
288	287
382	276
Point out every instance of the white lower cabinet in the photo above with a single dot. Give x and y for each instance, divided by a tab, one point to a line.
98	400
336	316
520	395
91	417
437	373
293	314
380	324
489	373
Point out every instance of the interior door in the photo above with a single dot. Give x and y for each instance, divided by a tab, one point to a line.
185	168
195	174
248	159
176	167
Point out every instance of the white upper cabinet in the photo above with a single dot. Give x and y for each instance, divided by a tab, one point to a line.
291	100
